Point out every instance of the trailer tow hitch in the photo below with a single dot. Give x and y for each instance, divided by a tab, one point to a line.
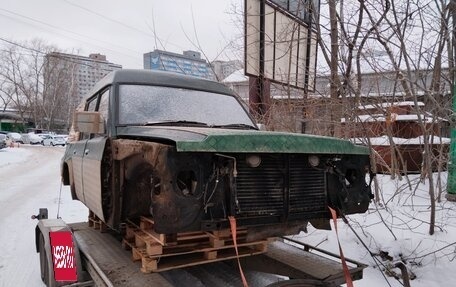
42	214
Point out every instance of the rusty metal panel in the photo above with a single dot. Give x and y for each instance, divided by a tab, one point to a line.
91	174
92	186
77	176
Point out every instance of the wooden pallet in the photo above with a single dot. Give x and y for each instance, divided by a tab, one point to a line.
160	252
97	223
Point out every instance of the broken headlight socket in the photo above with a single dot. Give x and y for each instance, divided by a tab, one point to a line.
314	160
187	182
253	160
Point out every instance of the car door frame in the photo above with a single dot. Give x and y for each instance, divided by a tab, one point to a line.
94	149
76	151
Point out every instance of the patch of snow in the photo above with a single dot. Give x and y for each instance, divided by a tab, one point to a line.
13	155
384	140
367	118
236	76
395	117
375	95
29	180
398	225
392	104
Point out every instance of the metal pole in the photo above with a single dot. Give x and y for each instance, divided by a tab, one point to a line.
262	46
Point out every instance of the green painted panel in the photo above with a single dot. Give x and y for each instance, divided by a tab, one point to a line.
12	127
451	188
270	142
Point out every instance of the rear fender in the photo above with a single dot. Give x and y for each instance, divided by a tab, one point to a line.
45	227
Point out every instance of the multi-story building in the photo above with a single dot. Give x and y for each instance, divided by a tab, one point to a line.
223	69
86	70
68	78
189	63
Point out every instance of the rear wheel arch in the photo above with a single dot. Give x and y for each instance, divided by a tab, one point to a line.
67	179
65	174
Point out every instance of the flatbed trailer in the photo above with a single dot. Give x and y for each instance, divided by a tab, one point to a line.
101	261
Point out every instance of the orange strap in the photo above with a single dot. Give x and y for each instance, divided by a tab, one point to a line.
347	275
233	233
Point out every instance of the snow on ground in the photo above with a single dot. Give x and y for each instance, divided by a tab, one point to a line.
9	156
29	179
385	140
398	225
236	76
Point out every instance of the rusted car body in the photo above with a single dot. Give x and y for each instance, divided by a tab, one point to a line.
186	152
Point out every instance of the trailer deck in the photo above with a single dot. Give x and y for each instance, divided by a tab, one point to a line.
110	265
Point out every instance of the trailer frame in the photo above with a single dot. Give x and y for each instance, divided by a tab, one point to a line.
101	261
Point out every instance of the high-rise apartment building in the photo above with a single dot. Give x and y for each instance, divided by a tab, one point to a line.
85	72
188	63
67	79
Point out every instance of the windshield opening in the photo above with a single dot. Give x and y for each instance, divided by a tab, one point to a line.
142	105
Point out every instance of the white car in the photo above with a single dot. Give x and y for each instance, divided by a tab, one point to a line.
15	137
54	140
3	143
34	138
65	137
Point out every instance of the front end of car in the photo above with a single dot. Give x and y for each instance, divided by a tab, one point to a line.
187	153
273	183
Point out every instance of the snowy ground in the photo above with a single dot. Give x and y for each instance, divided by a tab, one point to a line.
400	227
29	179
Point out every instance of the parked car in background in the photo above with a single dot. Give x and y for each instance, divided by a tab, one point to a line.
65	137
34	138
15	137
44	136
2	141
54	140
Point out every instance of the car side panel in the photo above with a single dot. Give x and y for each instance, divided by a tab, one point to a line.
91	173
74	154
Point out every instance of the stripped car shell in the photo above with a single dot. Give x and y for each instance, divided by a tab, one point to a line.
191	175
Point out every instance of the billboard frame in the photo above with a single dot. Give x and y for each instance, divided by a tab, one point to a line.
255	64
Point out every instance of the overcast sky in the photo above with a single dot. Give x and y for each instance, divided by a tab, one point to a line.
121	29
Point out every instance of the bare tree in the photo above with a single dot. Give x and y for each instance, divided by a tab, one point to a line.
408	43
39	87
58	89
376	52
5	94
14	79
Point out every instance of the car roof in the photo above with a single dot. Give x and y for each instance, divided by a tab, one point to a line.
160	78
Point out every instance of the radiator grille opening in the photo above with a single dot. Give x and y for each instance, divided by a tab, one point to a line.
307	187
282	185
